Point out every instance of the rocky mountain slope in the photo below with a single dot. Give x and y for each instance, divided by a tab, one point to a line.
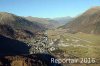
18	27
88	22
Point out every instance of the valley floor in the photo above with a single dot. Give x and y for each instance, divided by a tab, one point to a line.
79	45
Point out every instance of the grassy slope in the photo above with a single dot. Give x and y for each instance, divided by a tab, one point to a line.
90	44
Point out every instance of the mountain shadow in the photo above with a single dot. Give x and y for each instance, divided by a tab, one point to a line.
12	47
47	58
14	52
28	60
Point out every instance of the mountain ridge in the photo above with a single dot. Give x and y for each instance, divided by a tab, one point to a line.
15	26
88	22
50	23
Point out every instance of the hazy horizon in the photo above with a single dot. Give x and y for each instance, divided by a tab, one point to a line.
47	8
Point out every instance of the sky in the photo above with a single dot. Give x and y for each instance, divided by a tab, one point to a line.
47	8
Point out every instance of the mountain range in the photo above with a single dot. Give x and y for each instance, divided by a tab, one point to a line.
15	28
50	23
18	27
88	22
63	20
